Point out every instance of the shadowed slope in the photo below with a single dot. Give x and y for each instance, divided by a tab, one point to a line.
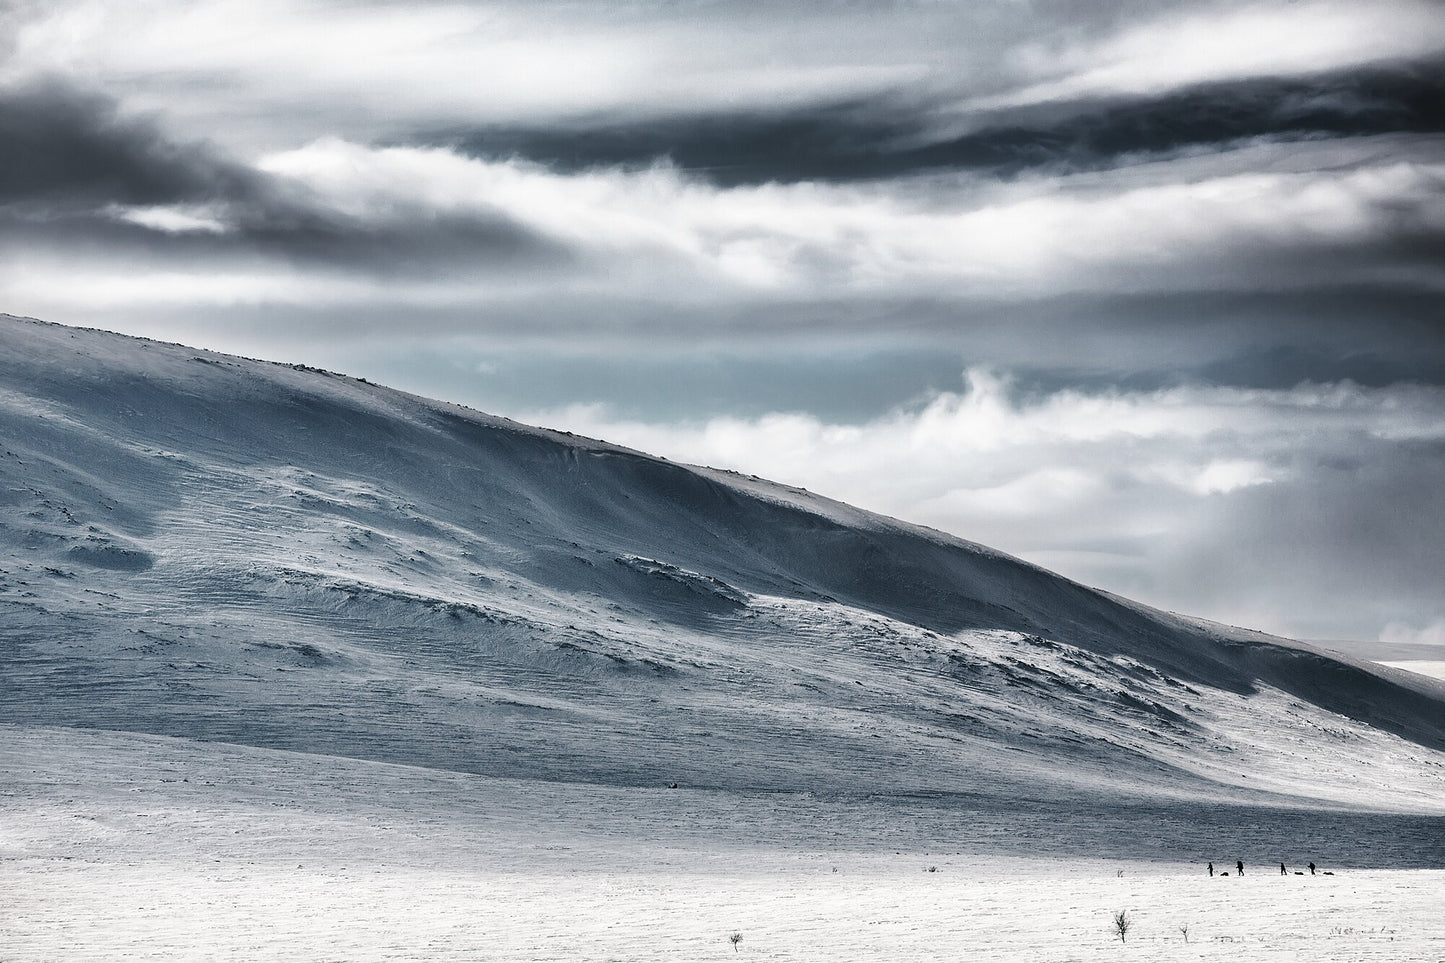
203	546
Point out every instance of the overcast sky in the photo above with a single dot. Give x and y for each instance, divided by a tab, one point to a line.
1149	292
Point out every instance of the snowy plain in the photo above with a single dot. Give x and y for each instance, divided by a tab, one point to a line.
883	911
166	850
299	667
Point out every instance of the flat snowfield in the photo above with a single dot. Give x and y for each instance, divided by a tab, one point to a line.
794	908
125	847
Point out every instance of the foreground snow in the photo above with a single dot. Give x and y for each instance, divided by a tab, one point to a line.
116	846
800	909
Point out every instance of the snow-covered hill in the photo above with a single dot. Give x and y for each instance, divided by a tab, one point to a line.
210	550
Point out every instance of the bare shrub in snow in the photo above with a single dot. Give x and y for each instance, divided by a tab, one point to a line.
1122	924
735	939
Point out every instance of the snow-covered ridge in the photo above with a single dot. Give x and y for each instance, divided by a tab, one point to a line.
205	547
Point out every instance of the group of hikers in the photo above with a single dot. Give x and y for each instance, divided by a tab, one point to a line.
1239	869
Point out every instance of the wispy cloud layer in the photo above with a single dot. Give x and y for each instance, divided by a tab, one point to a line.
884	137
1374	218
1185	46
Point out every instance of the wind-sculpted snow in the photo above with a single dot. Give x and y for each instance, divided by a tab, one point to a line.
207	548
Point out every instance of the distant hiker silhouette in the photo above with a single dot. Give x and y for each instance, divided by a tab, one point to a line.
1282	870
1211	869
1239	865
1312	869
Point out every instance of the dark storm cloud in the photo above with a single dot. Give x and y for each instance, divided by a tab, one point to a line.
847	141
73	163
882	138
423	246
66	145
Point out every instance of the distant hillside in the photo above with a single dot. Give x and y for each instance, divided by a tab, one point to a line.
205	547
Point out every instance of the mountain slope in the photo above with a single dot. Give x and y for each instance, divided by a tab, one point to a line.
205	547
